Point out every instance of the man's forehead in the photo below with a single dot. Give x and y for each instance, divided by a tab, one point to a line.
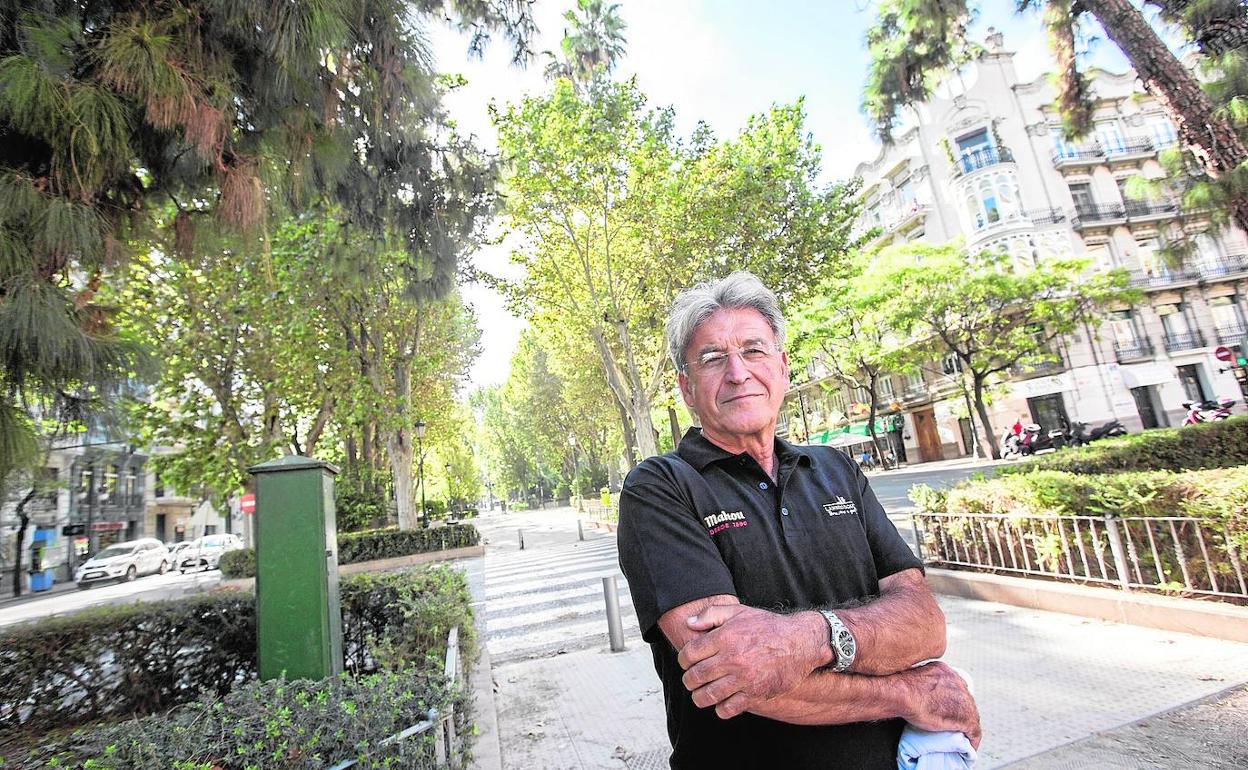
728	324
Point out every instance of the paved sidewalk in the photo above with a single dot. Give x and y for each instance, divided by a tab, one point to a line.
1044	680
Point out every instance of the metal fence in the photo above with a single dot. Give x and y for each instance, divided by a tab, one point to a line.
445	740
1168	554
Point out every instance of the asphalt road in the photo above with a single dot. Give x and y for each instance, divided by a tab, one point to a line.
891	487
171	585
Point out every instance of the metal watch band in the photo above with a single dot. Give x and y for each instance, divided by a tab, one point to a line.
841	640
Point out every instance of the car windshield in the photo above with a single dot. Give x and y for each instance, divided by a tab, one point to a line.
113	551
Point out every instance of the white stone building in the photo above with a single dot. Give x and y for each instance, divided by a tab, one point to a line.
985	161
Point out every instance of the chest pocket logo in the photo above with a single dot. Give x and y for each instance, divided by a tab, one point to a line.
841	507
718	522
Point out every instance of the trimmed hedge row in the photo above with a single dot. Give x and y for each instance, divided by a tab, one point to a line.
1221	444
369	545
274	724
113	662
387	543
1218	495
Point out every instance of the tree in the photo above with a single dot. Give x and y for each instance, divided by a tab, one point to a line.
989	312
108	110
845	328
617	215
914	42
592	47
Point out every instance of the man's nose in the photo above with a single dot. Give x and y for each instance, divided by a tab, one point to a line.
736	371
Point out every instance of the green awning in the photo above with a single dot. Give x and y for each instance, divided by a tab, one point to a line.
853	433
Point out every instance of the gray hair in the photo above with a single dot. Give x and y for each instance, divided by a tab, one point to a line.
696	304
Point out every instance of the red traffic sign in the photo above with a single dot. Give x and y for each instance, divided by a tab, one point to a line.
1223	353
247	503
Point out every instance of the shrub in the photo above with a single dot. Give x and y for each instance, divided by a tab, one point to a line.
112	662
1221	444
238	564
274	724
386	543
1219	495
369	545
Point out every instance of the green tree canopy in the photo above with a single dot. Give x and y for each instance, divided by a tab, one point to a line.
988	311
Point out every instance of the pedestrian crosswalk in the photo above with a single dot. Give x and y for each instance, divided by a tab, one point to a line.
548	599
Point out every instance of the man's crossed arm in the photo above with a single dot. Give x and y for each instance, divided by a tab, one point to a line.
739	659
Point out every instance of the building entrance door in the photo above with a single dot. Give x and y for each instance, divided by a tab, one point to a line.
1048	411
1193	385
925	432
1144	405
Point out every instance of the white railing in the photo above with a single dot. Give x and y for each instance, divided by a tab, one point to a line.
1169	554
445	740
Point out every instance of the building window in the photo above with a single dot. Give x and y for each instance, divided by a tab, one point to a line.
885	387
1122	325
1225	311
1081	194
1102	255
1163	132
906	201
85	479
1110	136
1063	148
993	198
1172	319
49	481
951	364
914	382
1150	261
159	489
836	405
861	396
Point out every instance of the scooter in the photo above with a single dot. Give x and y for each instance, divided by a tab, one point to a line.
1208	411
1079	435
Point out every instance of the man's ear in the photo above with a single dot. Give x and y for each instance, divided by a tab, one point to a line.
686	388
784	359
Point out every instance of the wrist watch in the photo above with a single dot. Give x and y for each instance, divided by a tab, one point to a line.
844	648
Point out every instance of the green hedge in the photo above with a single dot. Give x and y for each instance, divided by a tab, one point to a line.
1218	495
369	545
109	663
274	724
386	543
1221	444
238	564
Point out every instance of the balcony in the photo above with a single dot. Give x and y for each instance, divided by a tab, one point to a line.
1053	365
1151	211
1184	341
1134	350
1132	147
1231	335
1080	155
1045	216
982	157
1090	215
1231	264
1164	277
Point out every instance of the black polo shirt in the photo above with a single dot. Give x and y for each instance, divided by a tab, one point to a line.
702	521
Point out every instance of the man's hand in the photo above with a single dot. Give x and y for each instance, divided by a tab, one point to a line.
939	700
747	655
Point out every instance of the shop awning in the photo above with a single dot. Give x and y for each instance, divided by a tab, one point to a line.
846	435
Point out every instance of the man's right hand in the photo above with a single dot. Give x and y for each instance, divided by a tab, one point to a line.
938	699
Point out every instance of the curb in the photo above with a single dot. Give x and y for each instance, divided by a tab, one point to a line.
376	565
487	753
1187	616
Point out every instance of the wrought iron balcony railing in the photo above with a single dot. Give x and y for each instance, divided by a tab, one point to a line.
1093	214
1151	209
1133	350
1232	334
1184	341
982	157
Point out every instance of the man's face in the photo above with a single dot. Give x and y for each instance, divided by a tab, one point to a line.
735	397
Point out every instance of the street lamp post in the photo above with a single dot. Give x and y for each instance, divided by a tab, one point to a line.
576	473
420	450
448	489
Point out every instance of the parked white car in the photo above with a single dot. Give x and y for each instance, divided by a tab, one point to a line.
124	561
177	551
205	552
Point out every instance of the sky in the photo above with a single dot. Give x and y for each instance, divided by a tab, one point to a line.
718	61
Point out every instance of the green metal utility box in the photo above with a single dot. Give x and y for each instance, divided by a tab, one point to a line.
298	612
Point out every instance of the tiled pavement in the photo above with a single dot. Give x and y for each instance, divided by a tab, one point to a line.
564	700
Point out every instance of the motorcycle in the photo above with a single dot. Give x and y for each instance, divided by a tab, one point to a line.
1208	411
1079	435
1031	441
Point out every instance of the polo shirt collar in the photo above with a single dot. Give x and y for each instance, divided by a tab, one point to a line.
699	452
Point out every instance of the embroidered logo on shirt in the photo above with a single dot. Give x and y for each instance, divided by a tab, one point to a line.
718	522
841	507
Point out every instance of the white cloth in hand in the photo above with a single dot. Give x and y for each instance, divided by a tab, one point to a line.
923	750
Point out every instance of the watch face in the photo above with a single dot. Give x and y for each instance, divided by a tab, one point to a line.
845	646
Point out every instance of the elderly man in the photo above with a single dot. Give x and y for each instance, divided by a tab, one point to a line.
784	612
